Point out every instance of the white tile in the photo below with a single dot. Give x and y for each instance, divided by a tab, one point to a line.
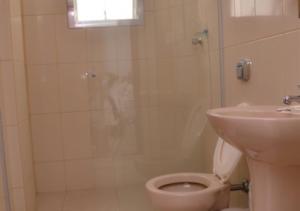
43	85
43	7
74	87
18	38
71	43
13	156
50	177
91	200
5	31
105	173
134	198
47	137
50	201
8	93
21	91
102	44
40	39
80	174
76	135
18	198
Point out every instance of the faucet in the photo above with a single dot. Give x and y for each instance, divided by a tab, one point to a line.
288	100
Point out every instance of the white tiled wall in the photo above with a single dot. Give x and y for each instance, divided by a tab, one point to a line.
268	34
271	40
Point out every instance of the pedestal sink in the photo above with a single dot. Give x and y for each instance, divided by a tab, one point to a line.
270	138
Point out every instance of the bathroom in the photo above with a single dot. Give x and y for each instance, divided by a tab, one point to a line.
100	97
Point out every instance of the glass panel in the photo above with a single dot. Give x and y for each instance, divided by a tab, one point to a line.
148	94
132	105
249	8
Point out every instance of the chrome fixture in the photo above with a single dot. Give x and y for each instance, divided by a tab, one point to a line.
199	37
88	75
244	186
288	100
243	69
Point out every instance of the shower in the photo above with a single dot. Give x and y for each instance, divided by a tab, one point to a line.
100	96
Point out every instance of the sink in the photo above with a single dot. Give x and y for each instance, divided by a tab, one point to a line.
261	132
269	136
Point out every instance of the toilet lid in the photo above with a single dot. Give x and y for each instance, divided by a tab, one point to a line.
226	158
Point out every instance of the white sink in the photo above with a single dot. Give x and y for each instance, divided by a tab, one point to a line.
270	138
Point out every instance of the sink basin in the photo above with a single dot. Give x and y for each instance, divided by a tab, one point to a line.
270	138
261	132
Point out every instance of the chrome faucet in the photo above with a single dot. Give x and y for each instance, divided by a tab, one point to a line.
288	100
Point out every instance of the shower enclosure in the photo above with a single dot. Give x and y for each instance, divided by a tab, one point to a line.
112	107
147	104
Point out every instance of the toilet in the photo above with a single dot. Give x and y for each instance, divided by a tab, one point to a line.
197	191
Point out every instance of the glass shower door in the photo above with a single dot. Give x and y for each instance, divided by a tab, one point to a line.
148	100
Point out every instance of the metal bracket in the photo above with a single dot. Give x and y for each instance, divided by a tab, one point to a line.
199	37
244	186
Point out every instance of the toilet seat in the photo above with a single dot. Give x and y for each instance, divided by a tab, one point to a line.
216	194
226	158
211	182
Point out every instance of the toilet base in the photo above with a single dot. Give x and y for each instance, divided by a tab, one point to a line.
222	202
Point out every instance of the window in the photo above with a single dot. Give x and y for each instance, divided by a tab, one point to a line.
251	8
97	13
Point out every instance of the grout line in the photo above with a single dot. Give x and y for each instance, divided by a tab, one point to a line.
44	14
6	60
89	110
60	105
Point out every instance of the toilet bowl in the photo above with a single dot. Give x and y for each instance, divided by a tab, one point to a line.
197	191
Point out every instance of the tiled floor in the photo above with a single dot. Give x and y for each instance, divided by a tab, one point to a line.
125	199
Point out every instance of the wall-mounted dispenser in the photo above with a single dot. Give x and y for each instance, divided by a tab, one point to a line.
243	69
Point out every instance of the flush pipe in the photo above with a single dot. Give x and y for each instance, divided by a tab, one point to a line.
244	186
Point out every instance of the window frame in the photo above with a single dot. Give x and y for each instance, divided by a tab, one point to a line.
139	8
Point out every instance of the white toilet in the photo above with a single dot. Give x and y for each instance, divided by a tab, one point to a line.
196	191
